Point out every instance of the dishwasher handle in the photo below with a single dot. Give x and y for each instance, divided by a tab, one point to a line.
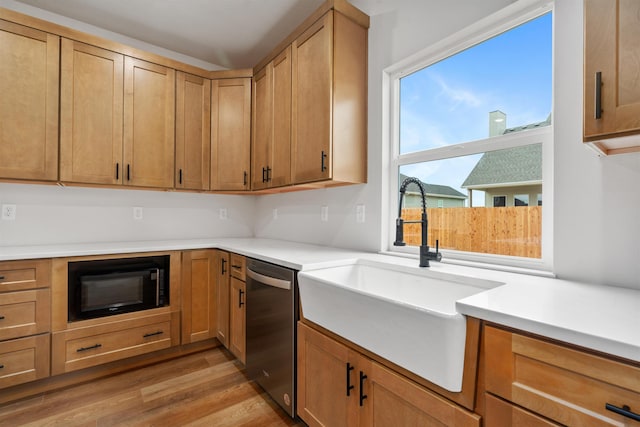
267	280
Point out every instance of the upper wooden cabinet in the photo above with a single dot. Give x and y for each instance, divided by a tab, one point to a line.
91	108
193	131
29	74
149	124
271	124
101	143
230	134
329	102
612	86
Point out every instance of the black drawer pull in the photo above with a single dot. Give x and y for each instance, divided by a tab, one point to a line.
1	366
117	171
323	157
236	266
223	271
625	411
151	334
81	349
1	317
362	395
240	299
349	385
1	277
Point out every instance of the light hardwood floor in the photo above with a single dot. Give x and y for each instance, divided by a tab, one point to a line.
203	389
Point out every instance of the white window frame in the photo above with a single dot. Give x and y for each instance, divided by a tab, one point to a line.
507	18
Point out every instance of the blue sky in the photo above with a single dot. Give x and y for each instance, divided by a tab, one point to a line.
449	102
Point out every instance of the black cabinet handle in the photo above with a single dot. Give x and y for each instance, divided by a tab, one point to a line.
180	177
1	277
240	299
362	395
264	175
625	411
598	94
152	334
1	317
323	157
117	171
244	181
224	262
268	174
1	366
128	172
81	349
349	385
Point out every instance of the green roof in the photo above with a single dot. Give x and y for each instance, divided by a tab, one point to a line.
508	166
436	190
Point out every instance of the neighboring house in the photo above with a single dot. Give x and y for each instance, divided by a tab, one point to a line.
438	196
509	177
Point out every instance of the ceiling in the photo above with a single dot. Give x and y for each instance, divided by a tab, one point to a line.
229	33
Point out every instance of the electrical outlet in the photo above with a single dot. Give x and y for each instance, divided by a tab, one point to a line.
137	213
360	213
223	213
324	213
275	214
9	212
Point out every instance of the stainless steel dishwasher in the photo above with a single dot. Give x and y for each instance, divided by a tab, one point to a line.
272	313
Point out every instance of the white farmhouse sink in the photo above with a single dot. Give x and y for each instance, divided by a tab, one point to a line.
405	315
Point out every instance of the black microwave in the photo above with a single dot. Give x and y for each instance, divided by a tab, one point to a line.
107	287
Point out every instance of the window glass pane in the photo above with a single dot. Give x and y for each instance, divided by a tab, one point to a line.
499	86
484	202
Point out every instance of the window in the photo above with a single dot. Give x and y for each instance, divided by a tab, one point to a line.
471	118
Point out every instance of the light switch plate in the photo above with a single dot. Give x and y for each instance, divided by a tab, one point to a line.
223	213
137	213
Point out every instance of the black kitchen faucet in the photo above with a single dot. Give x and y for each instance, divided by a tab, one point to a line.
425	254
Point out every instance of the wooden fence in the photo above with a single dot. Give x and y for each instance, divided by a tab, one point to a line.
513	231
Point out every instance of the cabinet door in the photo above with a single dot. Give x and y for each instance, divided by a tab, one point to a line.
612	48
393	400
271	149
29	74
311	102
193	131
199	309
222	296
280	166
237	316
230	134
500	413
91	103
262	126
149	119
327	381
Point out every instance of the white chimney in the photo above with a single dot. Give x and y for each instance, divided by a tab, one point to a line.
497	123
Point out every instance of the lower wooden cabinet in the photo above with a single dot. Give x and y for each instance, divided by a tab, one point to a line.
222	296
24	359
558	382
237	319
338	386
82	347
199	308
500	413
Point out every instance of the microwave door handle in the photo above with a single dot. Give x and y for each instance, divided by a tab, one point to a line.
157	287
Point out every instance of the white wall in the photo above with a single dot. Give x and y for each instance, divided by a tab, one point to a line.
597	201
49	214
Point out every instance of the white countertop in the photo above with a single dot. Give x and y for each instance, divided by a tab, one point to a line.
602	318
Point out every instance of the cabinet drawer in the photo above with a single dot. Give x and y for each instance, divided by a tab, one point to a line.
24	313
21	275
23	360
238	266
84	347
564	384
500	413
